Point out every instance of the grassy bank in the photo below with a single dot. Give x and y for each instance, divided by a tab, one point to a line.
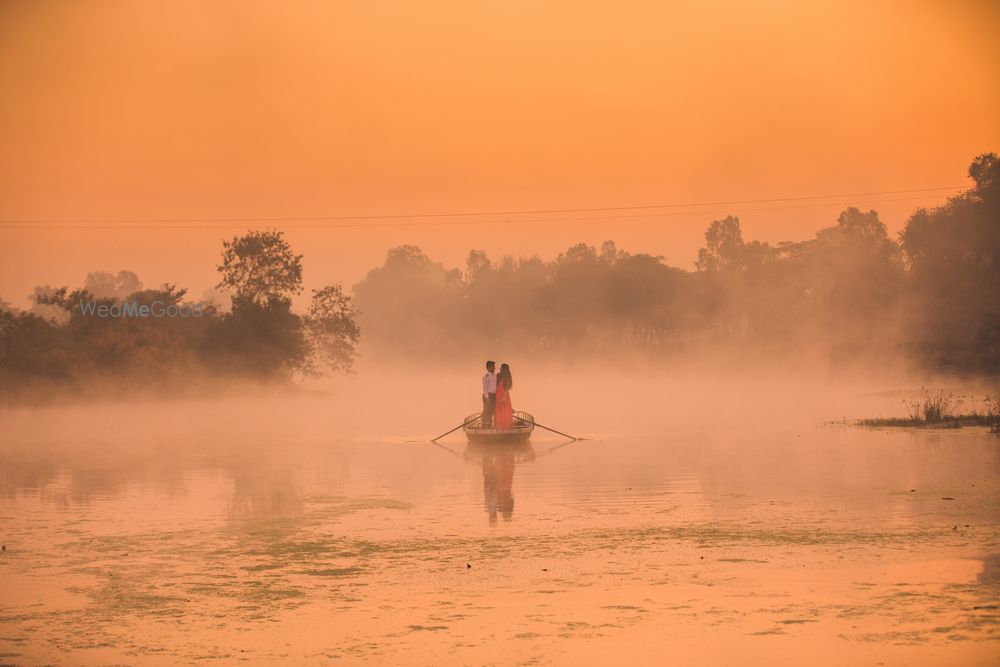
944	410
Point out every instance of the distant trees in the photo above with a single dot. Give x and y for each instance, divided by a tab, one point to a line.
933	294
953	254
725	249
740	277
261	335
852	292
74	343
103	284
151	336
587	299
331	332
29	349
260	268
409	301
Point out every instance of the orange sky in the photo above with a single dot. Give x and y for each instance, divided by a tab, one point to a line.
136	110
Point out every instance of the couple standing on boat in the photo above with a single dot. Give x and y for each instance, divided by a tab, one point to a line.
497	410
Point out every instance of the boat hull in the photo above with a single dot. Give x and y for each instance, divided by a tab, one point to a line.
485	437
524	424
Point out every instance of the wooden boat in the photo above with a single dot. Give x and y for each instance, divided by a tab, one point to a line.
524	424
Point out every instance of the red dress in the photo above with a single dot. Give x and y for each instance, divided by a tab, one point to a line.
504	416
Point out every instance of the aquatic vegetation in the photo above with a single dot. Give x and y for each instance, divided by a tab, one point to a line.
942	410
993	412
933	409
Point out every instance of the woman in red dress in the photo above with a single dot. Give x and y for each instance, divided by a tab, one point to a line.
504	416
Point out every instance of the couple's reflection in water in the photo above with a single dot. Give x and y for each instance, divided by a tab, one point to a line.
498	462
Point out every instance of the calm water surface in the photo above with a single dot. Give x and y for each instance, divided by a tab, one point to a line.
202	532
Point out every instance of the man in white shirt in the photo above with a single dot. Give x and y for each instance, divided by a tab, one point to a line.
489	394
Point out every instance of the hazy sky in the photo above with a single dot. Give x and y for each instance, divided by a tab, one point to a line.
133	110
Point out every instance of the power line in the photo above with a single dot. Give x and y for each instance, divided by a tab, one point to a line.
208	222
438	223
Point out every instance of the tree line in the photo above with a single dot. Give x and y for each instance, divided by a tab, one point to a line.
113	329
851	294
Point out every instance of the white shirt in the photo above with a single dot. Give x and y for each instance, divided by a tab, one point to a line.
489	384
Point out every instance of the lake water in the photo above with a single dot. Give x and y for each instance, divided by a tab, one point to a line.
187	531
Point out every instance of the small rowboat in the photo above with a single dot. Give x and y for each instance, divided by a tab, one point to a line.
524	424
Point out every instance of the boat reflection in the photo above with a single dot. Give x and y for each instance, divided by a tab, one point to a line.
498	462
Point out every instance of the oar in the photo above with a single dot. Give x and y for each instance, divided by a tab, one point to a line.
448	432
531	421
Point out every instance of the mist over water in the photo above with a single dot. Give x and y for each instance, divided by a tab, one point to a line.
704	515
281	480
254	255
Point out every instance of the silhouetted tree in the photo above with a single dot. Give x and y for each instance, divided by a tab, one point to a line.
331	331
953	252
260	336
409	303
103	284
260	268
725	249
262	340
